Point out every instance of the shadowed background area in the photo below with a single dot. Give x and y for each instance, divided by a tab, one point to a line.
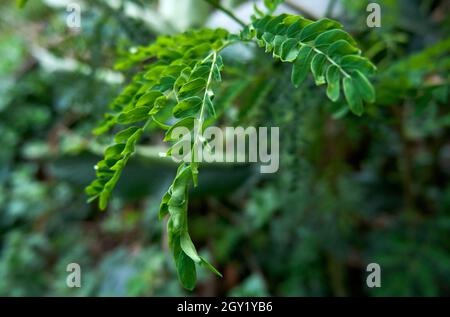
350	191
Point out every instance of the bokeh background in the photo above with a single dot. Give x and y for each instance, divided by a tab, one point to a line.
350	191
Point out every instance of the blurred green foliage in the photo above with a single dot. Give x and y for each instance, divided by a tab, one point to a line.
350	191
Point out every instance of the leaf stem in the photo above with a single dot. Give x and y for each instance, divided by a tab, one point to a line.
217	5
208	83
201	118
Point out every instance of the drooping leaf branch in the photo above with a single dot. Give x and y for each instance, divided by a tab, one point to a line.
323	48
191	111
177	85
175	88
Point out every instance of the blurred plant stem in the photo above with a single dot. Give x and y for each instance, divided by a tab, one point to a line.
51	63
294	6
330	8
218	6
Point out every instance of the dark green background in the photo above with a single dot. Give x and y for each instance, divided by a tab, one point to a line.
350	190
